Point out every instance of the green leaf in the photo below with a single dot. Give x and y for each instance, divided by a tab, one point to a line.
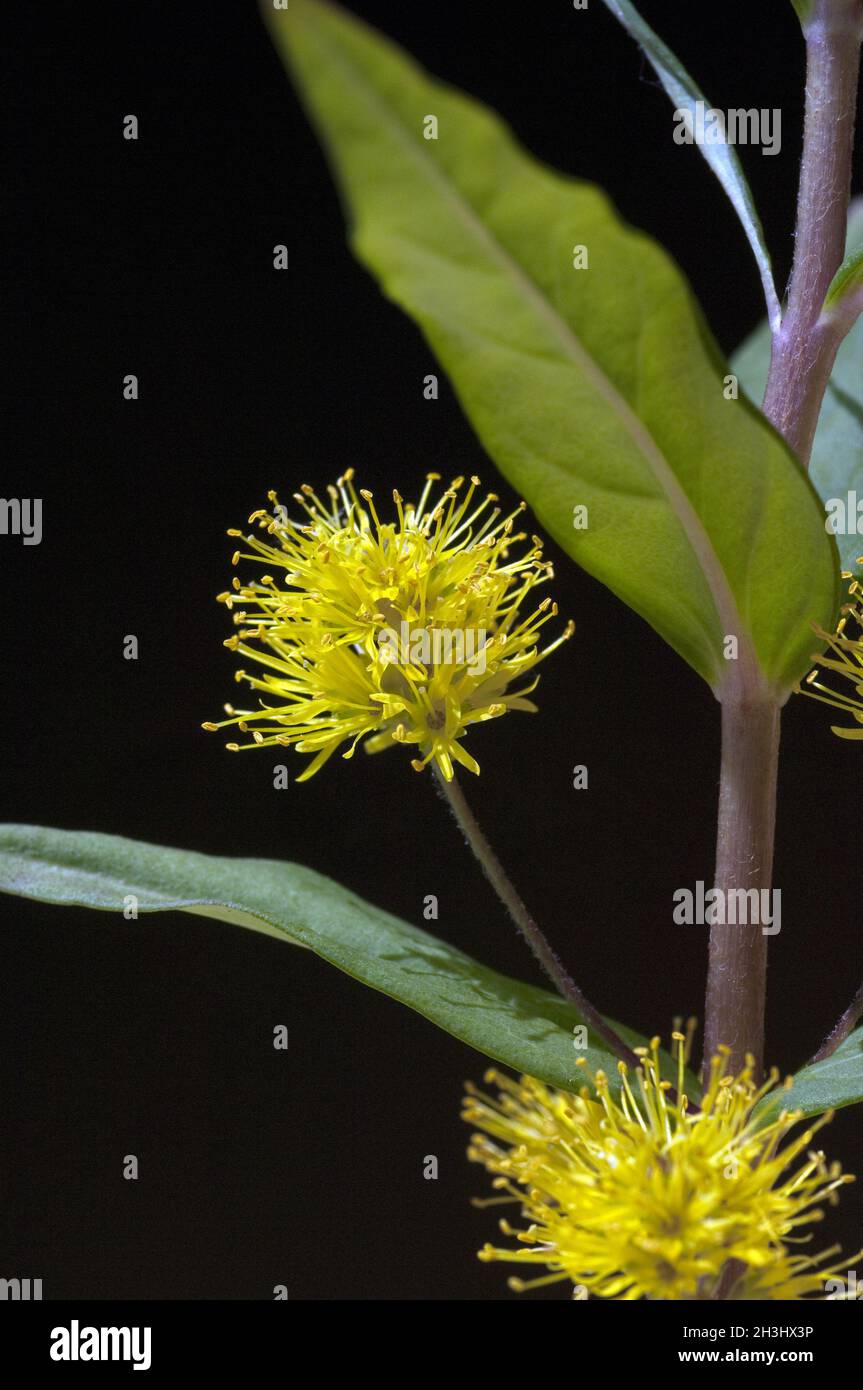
827	1085
847	280
723	159
598	387
803	9
837	453
520	1025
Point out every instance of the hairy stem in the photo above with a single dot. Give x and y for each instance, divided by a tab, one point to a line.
841	1028
804	348
532	933
737	972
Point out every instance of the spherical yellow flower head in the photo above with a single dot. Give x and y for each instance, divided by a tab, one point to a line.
640	1195
844	664
405	631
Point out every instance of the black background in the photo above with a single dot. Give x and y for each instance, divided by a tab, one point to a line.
259	1167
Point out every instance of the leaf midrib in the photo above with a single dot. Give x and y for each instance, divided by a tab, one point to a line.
693	529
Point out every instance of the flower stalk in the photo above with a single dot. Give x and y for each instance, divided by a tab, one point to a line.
842	1028
533	934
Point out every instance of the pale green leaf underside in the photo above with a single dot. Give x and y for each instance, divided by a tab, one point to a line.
520	1025
847	280
722	159
837	453
598	387
827	1085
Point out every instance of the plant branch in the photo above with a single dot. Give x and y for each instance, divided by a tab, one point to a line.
737	971
532	933
804	346
842	1028
804	349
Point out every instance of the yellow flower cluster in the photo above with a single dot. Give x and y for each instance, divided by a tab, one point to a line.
406	631
845	662
640	1195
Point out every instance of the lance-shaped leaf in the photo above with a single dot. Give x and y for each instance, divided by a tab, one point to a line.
827	1085
837	452
597	388
722	158
520	1025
